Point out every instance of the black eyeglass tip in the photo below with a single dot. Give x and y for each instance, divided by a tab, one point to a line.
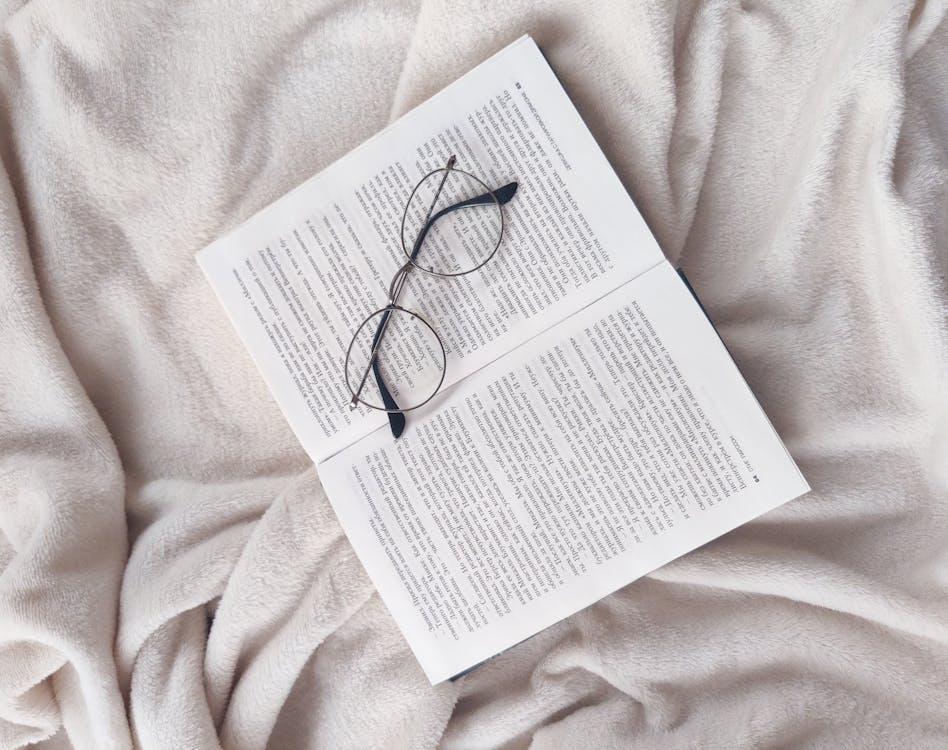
505	193
396	421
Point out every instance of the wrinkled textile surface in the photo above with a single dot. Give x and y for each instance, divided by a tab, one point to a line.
172	574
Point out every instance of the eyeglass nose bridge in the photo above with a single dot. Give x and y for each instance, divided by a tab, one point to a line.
398	281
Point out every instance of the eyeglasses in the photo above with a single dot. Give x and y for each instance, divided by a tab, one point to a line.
452	226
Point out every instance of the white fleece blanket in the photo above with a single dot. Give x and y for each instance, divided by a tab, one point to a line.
172	574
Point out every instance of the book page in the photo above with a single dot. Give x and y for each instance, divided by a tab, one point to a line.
299	277
607	446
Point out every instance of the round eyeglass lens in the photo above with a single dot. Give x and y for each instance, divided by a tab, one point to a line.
409	363
452	224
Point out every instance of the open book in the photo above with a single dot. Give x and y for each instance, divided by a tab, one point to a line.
591	426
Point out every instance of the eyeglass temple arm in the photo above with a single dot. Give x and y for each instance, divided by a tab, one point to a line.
396	419
503	195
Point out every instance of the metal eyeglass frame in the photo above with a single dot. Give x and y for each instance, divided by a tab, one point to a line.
499	197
